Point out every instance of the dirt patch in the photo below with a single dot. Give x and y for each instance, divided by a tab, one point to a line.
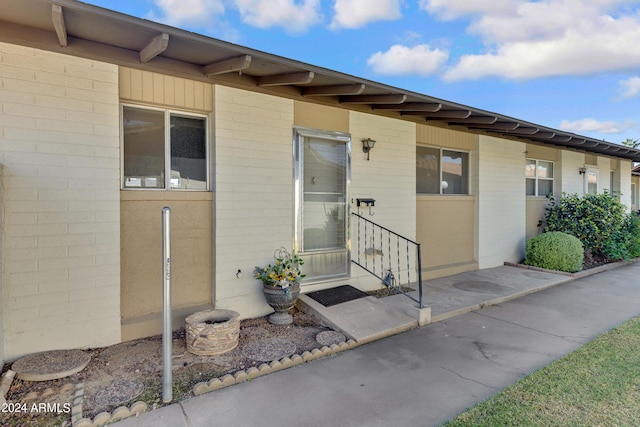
387	291
132	371
592	260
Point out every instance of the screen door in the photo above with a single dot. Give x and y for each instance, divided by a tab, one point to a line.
322	203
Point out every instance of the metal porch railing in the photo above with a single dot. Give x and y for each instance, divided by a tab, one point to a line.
390	257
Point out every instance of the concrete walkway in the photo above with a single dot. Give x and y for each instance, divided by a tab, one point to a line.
427	375
369	319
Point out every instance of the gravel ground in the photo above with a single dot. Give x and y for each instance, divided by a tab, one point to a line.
132	371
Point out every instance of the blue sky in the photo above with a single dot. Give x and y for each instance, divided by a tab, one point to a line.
567	64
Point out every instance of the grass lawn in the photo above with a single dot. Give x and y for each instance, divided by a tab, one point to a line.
597	385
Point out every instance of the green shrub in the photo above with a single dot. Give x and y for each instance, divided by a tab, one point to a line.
633	225
555	251
625	242
599	221
592	218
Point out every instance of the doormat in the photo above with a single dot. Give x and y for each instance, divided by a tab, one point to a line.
333	296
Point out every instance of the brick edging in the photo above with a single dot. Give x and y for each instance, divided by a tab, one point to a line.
268	368
577	275
118	414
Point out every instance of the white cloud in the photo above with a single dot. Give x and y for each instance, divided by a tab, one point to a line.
530	39
358	13
188	12
293	17
593	125
402	60
452	9
630	87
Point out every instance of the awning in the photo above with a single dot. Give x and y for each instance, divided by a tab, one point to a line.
76	28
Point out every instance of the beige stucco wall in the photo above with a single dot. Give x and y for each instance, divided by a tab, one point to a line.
501	206
60	149
535	215
321	117
191	217
541	152
253	192
446	224
535	206
446	231
141	257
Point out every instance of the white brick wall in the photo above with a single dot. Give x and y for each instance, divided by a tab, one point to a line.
254	187
624	174
571	182
254	192
389	177
59	144
604	178
501	201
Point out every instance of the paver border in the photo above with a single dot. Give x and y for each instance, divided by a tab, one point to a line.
268	368
579	274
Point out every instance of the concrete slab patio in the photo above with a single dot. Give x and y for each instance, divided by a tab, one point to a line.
370	319
427	375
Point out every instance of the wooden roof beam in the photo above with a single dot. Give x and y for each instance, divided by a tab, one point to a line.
417	107
495	127
522	130
301	78
155	47
561	138
544	135
230	65
477	120
373	99
447	115
58	24
334	90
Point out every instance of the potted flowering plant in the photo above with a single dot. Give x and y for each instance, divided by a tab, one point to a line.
281	284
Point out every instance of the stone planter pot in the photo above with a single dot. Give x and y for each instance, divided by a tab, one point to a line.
212	332
281	300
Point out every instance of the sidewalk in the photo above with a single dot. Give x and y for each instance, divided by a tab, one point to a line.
425	376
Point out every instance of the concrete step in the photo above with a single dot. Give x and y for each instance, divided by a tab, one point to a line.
363	320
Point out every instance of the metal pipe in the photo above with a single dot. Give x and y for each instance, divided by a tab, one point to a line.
420	277
167	341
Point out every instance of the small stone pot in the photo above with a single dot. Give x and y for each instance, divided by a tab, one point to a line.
281	300
212	332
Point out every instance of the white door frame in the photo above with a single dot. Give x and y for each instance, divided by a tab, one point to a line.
336	263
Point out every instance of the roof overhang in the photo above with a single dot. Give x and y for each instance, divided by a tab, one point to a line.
80	29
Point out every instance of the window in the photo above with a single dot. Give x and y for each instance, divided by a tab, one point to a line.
591	181
157	141
634	195
440	171
539	177
611	181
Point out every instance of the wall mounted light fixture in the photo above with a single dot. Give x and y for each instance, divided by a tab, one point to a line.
367	145
582	171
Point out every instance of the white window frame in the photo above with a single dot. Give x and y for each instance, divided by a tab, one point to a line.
634	194
612	176
590	170
440	168
536	178
167	147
